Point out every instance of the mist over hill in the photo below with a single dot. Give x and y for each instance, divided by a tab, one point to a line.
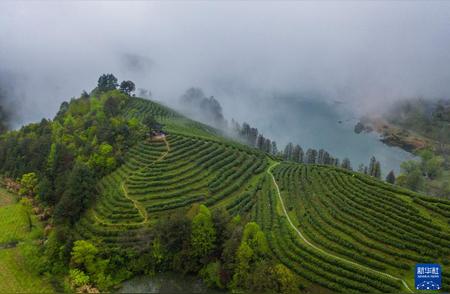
366	54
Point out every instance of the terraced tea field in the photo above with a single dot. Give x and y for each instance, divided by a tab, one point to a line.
344	231
163	175
362	221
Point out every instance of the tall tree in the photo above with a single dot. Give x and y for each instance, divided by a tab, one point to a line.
80	190
288	151
372	162
377	170
296	153
127	87
260	142
311	156
274	148
107	82
390	178
346	164
203	236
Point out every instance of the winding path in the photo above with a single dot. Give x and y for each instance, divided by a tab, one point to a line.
142	211
269	171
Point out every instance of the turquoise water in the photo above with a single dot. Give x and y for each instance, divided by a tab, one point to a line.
319	124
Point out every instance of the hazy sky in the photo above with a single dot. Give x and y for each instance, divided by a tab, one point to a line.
364	53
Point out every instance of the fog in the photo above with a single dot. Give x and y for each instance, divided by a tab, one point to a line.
365	54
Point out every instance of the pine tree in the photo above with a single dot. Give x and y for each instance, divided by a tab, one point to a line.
311	156
260	142
274	148
326	158
377	170
267	146
288	151
296	153
301	156
320	156
346	164
390	178
371	170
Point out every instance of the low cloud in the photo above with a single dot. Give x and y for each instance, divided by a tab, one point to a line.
366	54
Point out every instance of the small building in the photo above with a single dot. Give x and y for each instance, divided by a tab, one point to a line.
157	134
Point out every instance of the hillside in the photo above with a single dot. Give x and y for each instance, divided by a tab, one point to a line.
17	231
355	217
325	228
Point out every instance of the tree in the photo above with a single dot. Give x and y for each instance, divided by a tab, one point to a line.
111	106
320	156
28	184
346	164
80	190
297	154
288	151
372	162
311	156
377	170
203	236
431	165
211	275
260	142
84	254
285	279
151	123
107	82
274	148
390	178
127	87
411	176
251	252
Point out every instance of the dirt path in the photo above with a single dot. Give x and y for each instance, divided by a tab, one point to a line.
320	249
140	208
142	211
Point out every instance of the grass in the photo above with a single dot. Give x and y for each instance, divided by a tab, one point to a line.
14	223
15	276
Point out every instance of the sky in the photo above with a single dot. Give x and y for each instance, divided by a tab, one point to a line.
363	53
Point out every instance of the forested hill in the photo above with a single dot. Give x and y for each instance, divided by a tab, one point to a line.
132	187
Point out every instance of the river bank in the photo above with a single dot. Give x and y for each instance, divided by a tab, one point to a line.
161	283
393	135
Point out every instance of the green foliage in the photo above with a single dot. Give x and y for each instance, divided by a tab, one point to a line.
14	223
211	275
80	190
78	278
203	235
84	254
256	239
355	216
85	257
285	279
390	178
431	165
103	161
251	252
411	177
127	87
28	184
107	82
33	257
